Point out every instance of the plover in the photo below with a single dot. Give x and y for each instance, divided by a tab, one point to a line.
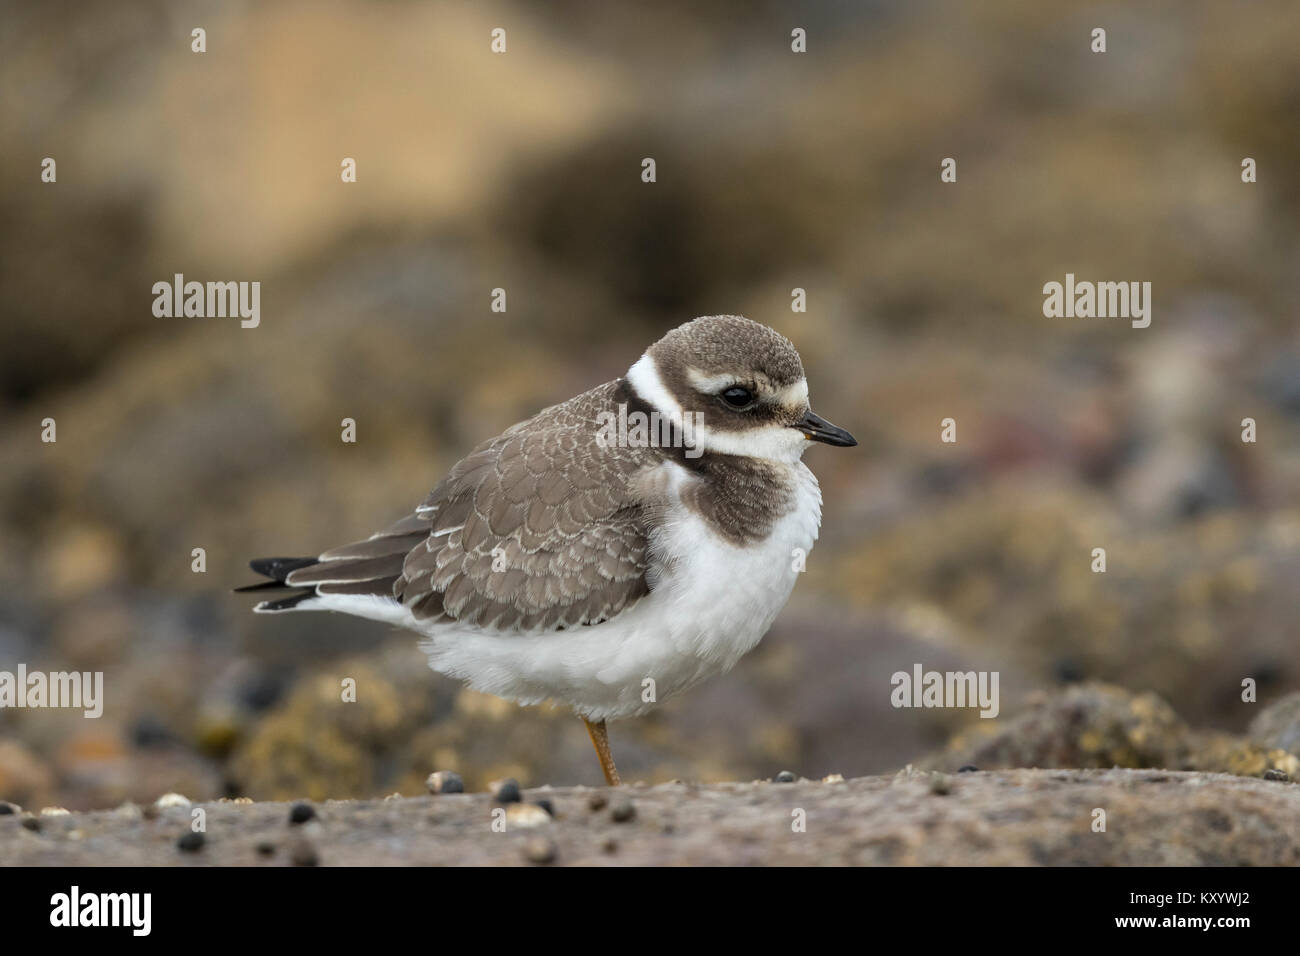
553	563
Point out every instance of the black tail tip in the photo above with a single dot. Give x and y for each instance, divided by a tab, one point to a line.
277	569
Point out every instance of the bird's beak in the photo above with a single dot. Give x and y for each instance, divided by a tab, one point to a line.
816	428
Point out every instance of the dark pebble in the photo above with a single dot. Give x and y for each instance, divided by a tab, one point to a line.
151	732
622	811
191	841
7	809
261	691
1275	774
597	801
546	805
445	781
969	768
301	812
32	823
609	845
507	791
785	776
266	848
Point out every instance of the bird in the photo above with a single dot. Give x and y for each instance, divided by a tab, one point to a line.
612	551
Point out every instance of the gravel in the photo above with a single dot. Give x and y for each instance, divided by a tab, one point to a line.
997	817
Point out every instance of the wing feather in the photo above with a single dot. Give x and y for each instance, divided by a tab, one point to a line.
538	529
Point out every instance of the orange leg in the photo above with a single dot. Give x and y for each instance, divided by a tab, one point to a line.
600	740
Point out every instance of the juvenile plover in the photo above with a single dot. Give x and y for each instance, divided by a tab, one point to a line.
554	563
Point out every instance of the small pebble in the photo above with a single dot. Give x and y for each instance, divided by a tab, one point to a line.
304	854
540	850
168	800
940	784
128	811
545	804
265	848
622	811
6	809
53	812
301	812
1275	774
524	816
833	778
392	796
969	768
32	823
609	845
507	790
191	841
785	776
597	801
445	781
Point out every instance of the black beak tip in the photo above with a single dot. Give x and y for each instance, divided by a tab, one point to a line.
816	428
840	439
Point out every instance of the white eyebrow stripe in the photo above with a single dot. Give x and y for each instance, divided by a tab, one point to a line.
795	395
709	383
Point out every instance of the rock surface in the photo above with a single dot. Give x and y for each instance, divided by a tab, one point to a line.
1098	726
1016	817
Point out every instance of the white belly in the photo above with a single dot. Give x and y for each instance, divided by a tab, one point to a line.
710	604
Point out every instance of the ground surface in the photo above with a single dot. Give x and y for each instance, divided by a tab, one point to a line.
1000	817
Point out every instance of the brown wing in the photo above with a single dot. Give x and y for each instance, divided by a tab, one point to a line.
539	528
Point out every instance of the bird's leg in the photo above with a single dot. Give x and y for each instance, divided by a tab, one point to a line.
600	740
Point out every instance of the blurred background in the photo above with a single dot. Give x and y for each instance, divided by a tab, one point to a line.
775	170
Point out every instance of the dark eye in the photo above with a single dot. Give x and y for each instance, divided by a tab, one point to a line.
738	397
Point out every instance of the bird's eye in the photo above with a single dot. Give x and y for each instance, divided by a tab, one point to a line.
738	397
